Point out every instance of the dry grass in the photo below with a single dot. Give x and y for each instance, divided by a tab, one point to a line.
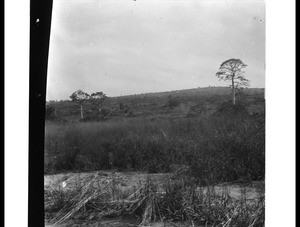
180	201
217	148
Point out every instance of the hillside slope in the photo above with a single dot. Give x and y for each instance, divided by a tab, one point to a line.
180	103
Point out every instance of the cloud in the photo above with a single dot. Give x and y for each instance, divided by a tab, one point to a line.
141	46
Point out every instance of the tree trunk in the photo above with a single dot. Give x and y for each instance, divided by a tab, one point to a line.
81	112
233	91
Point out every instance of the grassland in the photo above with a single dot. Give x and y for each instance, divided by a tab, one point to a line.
197	129
181	103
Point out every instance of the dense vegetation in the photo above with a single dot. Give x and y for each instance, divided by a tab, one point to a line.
198	128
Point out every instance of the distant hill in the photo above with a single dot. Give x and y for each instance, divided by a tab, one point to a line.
178	103
212	90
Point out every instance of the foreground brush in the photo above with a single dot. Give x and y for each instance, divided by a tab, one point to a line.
176	199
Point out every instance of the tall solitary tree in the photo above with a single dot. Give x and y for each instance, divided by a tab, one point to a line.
232	70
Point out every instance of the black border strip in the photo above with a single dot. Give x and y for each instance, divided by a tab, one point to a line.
40	24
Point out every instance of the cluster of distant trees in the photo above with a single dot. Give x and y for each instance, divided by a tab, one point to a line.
80	95
96	98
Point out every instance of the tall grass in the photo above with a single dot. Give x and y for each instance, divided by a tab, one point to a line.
224	147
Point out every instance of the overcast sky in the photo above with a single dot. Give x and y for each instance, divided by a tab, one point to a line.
130	47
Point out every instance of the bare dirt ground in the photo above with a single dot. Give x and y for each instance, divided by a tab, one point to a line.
129	182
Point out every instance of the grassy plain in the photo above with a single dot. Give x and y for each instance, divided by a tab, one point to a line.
198	130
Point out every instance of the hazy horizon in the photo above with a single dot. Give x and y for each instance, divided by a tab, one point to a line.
153	92
133	47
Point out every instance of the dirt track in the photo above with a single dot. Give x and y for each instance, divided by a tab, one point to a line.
128	180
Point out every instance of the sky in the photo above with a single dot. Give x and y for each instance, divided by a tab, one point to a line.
123	47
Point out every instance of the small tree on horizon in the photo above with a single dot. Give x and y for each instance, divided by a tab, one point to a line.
98	95
232	70
80	96
97	98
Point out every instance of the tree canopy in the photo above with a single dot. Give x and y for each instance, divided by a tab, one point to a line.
232	70
98	95
79	95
